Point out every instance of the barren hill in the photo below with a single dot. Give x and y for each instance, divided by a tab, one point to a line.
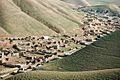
101	2
37	17
78	2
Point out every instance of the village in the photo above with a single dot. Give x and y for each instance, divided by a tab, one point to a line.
22	54
100	23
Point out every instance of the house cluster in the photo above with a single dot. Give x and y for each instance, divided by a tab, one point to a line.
31	52
100	24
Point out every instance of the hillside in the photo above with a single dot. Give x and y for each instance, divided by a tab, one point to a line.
78	2
103	54
103	2
16	22
101	9
112	74
92	2
2	31
38	17
41	17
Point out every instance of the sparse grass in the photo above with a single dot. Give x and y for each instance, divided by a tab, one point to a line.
16	22
49	13
36	17
5	70
113	74
1	67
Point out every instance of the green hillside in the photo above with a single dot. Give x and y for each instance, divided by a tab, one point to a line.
103	54
112	74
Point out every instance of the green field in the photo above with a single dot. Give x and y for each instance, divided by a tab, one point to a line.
112	74
103	54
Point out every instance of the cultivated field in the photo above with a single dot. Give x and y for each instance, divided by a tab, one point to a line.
103	54
112	74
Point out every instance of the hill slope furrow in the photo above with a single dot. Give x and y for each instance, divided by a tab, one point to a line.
16	22
45	14
60	12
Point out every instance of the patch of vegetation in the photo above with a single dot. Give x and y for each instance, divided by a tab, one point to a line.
103	54
113	74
